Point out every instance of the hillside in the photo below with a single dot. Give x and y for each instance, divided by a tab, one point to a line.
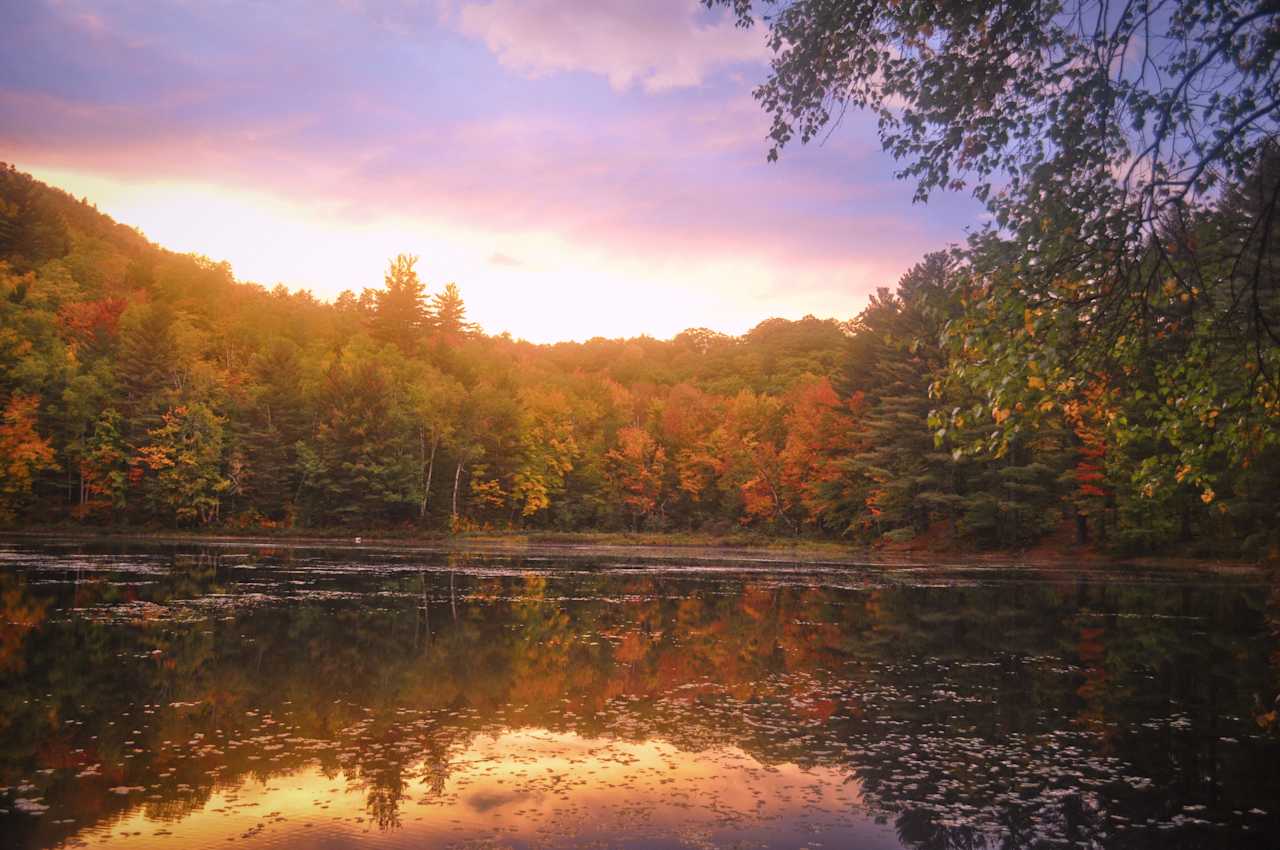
147	388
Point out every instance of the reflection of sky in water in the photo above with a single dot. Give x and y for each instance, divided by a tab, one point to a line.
268	696
533	787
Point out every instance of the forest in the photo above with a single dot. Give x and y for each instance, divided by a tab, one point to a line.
147	389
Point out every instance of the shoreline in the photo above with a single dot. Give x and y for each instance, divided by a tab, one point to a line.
666	545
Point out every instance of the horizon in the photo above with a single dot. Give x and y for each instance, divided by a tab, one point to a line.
606	179
434	287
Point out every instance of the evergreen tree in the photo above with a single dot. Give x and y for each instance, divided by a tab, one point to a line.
449	315
898	482
400	314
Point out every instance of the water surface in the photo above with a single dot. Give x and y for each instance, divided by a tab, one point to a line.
189	696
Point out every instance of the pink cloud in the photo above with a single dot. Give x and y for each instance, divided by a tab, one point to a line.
658	44
678	184
662	181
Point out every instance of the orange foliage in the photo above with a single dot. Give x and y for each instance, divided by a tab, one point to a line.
23	452
635	470
87	320
819	426
1088	417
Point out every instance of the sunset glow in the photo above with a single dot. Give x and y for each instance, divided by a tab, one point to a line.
518	784
604	179
639	424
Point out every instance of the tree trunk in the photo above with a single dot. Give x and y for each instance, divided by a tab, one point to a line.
457	476
426	486
778	510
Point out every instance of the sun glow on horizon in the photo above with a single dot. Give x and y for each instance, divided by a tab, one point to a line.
534	285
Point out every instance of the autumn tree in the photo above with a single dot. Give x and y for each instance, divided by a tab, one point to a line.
1127	157
1118	115
687	420
548	451
635	470
435	400
104	467
748	444
820	429
24	453
985	398
182	461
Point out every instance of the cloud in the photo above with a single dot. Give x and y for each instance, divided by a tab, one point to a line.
346	123
658	44
670	189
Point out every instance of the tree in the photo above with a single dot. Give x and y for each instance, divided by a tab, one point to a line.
147	362
449	315
686	421
547	451
401	316
23	453
1095	133
1024	94
104	467
820	428
1092	496
363	462
1191	411
990	396
436	400
273	415
32	230
184	458
747	446
635	468
896	480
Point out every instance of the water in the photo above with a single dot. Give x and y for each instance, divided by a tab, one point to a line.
194	696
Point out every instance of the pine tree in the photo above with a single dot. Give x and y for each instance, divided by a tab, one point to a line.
449	316
898	482
400	314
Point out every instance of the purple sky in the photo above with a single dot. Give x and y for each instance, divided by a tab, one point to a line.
578	168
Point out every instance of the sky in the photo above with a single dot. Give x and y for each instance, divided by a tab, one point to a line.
579	168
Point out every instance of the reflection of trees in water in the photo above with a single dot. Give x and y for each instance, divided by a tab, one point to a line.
20	612
972	716
386	790
1267	703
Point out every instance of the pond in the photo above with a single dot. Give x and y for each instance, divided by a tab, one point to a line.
198	694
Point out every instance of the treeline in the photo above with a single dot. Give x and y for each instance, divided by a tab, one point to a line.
145	387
